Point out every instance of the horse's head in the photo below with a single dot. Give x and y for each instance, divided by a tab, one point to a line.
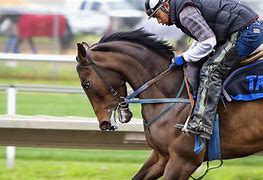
104	88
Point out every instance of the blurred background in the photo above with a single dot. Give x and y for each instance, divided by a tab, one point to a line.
54	26
38	79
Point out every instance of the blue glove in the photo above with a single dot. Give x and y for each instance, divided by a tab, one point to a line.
177	61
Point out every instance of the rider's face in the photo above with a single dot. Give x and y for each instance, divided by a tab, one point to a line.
162	15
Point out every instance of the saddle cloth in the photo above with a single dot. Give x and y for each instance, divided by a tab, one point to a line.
246	83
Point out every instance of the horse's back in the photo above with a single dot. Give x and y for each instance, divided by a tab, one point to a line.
241	128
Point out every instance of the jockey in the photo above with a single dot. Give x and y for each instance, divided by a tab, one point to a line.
226	30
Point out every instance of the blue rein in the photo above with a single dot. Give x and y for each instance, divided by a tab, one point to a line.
157	100
130	98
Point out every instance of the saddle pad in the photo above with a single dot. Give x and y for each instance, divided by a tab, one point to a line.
246	83
214	145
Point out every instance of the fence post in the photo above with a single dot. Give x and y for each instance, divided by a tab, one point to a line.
11	110
56	47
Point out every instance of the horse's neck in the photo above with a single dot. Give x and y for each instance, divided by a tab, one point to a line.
137	68
150	68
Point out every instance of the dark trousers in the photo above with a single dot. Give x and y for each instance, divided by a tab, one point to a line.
216	69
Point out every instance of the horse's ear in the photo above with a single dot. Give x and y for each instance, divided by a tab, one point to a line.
85	45
82	54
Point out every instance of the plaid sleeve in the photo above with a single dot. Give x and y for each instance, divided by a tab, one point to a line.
194	22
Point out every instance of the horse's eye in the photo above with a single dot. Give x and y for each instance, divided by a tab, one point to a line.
86	84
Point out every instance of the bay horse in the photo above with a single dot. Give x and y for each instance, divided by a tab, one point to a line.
136	57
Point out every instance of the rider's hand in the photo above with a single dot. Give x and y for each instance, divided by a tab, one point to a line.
177	61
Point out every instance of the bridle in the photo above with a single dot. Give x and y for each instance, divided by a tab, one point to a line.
122	102
121	105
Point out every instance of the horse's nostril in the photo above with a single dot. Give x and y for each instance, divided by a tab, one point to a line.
105	125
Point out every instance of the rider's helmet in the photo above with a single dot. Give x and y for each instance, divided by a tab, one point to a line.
152	6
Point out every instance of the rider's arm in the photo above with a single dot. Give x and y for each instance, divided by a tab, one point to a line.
193	21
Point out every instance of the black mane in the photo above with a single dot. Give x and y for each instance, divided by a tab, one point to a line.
143	38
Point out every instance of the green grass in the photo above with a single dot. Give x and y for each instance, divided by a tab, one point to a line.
51	82
78	170
71	155
39	72
3	102
54	105
42	163
247	168
229	172
59	170
35	163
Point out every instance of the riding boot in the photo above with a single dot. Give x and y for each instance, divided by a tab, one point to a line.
201	121
209	92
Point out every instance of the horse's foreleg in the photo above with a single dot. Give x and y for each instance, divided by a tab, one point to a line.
180	169
153	168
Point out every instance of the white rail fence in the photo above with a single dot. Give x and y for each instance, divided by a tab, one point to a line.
61	132
45	131
37	58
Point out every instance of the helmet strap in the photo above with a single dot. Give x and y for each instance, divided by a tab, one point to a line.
164	10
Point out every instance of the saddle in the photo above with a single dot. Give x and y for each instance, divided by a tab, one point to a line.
244	84
257	54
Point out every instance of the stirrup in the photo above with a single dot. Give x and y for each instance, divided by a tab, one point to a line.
179	126
183	126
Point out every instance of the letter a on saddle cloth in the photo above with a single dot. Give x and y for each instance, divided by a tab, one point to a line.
244	84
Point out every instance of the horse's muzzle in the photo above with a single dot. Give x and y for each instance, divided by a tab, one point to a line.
106	125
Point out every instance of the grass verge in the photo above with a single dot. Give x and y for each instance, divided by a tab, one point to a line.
42	163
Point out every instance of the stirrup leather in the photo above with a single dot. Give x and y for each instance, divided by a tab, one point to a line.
184	129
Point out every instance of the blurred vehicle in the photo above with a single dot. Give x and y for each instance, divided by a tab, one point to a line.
101	16
138	4
88	22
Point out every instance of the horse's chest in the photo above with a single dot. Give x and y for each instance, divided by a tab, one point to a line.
157	139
